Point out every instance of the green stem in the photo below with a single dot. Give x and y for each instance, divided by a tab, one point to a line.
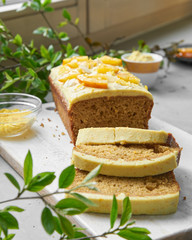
83	37
48	23
36	197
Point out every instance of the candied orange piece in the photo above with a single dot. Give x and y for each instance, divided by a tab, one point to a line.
68	77
111	61
103	68
63	70
128	77
92	81
73	64
66	60
82	58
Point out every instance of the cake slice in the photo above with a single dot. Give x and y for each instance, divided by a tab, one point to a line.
148	195
126	152
99	93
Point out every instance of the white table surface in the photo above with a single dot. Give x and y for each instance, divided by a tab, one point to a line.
173	104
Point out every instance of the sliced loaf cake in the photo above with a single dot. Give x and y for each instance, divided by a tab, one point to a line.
126	152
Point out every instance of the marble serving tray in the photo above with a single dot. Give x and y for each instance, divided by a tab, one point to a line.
51	149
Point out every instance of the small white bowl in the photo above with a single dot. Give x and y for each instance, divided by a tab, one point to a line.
146	71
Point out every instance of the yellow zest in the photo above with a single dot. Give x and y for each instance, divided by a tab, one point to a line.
14	122
111	61
128	77
68	77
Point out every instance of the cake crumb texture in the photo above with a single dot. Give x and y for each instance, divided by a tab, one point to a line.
133	187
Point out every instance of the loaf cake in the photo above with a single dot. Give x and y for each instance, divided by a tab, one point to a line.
99	93
126	152
148	195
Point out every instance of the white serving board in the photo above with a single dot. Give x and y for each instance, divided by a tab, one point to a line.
51	151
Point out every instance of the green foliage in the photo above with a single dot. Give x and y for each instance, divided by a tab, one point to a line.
53	217
40	181
66	177
126	215
71	206
12	180
28	168
48	220
114	212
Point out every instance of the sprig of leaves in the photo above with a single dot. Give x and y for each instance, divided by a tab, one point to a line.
54	217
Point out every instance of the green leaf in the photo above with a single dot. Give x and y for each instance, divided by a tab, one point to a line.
44	52
18	40
47	220
140	230
66	15
23	7
32	72
8	77
14	209
28	168
3	226
46	2
83	199
48	9
56	57
3	1
126	214
114	212
66	226
62	24
66	177
76	21
91	186
82	51
92	174
80	235
71	206
36	5
9	219
57	225
127	234
9	237
12	180
63	36
40	181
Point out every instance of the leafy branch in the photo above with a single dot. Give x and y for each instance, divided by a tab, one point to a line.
54	217
25	68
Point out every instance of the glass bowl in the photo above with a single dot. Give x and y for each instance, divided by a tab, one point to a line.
18	112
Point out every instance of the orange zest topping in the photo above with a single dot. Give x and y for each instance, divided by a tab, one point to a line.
93	81
103	68
128	77
68	77
111	61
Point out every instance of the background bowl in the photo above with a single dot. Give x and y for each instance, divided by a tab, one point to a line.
146	71
18	112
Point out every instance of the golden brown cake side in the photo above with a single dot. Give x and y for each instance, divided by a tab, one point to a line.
148	195
118	111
